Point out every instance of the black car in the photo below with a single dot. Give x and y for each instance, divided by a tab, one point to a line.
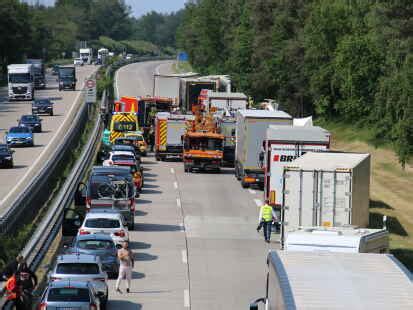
42	106
55	70
6	156
31	121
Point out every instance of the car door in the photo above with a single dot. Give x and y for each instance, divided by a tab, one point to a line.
72	220
80	195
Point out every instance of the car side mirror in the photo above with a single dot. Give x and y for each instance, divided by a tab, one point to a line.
254	305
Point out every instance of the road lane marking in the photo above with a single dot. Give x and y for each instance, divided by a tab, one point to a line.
184	257
178	202
186	299
258	202
182	227
252	191
172	170
176	185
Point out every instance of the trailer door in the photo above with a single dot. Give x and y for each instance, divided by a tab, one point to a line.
176	129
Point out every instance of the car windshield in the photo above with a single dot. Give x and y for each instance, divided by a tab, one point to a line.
42	102
29	118
102	223
68	294
19	78
137	138
95	244
122	157
77	268
203	144
19	130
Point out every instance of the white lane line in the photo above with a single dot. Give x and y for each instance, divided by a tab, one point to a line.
184	257
172	170
258	202
178	202
176	185
186	299
252	191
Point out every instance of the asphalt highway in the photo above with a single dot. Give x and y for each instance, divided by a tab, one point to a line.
29	160
195	243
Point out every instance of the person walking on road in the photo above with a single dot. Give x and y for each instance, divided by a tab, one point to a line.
28	281
266	218
12	267
12	291
127	262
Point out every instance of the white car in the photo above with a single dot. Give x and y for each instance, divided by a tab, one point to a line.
109	223
78	62
120	158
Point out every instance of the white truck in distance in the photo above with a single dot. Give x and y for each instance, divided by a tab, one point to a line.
86	55
348	239
328	280
20	81
223	102
168	85
282	145
326	189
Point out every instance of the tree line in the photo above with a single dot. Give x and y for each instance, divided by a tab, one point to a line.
341	60
54	32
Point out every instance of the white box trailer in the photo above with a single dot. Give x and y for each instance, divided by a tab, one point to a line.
169	129
326	189
222	102
250	133
168	85
327	280
283	144
348	239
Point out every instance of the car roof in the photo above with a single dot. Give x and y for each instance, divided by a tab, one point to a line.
69	283
77	258
94	237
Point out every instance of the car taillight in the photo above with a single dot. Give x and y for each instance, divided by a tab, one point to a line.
132	202
83	232
88	202
93	307
42	306
120	233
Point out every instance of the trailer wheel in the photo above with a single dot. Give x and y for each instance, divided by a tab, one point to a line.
157	158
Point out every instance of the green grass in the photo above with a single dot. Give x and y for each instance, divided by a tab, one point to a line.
182	67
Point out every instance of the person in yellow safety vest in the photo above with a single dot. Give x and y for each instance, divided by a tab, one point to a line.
266	218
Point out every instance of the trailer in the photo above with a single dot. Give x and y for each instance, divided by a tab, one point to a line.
326	189
226	126
327	280
168	85
250	133
169	129
347	239
282	145
226	102
190	89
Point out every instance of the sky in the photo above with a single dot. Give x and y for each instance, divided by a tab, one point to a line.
140	7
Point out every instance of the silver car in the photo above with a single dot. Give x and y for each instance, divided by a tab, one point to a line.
71	295
82	267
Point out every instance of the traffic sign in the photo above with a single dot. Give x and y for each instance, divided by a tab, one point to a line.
90	95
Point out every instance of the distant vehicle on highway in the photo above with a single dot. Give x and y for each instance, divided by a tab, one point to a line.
42	106
19	136
70	295
82	268
21	81
31	121
78	62
55	70
6	156
86	54
67	77
39	73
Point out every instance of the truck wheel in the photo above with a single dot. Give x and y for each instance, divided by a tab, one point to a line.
244	185
157	158
51	113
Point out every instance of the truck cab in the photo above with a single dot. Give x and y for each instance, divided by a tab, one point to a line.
86	55
20	82
67	77
39	73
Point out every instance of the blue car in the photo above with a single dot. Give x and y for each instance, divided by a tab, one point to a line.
19	136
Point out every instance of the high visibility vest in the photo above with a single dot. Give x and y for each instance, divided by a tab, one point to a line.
267	213
11	288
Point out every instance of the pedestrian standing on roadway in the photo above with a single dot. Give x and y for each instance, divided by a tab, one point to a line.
266	218
151	138
13	267
127	262
12	291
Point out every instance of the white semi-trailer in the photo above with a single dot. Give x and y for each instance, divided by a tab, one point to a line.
86	54
282	145
250	133
168	85
326	280
347	239
226	102
326	189
20	81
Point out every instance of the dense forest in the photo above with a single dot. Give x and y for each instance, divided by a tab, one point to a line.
344	60
54	32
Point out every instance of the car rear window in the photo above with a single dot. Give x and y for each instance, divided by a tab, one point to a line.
96	245
68	294
122	157
77	268
102	223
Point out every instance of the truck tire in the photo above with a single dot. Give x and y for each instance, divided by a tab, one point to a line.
157	158
244	185
131	226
